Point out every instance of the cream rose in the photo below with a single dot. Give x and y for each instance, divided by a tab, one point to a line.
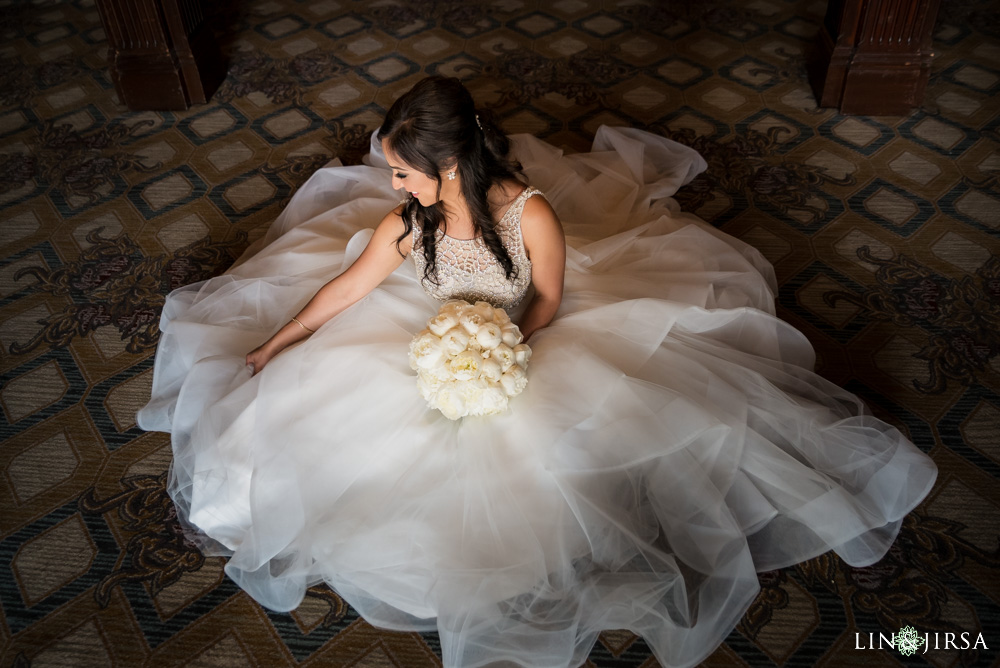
448	399
425	351
513	381
489	335
512	334
465	365
428	386
490	370
471	322
439	371
493	401
472	393
454	306
484	310
455	341
504	355
522	353
441	323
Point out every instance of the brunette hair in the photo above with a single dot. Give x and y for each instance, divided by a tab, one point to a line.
433	125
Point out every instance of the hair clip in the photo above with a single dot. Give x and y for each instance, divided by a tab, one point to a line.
478	123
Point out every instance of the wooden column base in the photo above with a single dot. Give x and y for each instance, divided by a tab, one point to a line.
873	57
162	54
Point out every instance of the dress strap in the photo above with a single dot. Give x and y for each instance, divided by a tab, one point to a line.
514	212
510	224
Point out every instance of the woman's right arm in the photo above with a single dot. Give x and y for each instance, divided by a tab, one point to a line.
379	259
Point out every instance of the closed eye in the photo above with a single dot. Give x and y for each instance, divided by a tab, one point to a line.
400	176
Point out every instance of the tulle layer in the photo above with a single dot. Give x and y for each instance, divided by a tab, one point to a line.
671	442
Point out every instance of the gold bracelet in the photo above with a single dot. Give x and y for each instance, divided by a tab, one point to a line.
296	321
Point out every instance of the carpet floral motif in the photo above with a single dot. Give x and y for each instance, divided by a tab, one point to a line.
961	317
724	17
349	143
20	82
465	18
907	586
747	166
772	597
904	588
80	164
157	552
280	79
583	78
114	283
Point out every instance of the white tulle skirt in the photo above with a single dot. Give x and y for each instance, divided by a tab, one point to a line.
671	442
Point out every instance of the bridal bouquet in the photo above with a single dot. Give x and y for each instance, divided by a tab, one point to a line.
469	360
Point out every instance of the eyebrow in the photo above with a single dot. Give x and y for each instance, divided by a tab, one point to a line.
399	169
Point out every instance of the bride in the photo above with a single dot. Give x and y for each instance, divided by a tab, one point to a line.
672	440
494	240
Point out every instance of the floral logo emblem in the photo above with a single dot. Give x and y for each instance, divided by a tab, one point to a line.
908	640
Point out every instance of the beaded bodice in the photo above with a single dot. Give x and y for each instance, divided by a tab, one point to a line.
466	269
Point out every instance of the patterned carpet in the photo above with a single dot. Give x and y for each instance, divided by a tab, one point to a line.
883	232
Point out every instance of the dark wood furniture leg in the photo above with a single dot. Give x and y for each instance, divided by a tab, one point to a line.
161	53
873	56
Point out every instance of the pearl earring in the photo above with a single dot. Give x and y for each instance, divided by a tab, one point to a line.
451	175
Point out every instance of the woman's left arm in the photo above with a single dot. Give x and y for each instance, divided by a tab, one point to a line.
545	244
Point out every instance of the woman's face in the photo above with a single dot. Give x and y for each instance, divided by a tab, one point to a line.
415	182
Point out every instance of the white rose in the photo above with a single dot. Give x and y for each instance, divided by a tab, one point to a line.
455	341
439	371
494	401
465	365
449	401
484	310
413	345
489	335
490	370
455	307
513	381
472	395
425	351
471	322
428	386
500	317
512	334
522	353
441	323
504	356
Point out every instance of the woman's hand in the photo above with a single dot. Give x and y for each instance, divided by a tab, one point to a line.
258	358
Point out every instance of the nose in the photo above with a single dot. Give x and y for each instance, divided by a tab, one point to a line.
396	183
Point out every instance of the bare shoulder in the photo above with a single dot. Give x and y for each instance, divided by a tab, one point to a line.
393	227
541	231
394	220
538	213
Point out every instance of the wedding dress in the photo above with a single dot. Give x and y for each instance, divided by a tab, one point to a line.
671	442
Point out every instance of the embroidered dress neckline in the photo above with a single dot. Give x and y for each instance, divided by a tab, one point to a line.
507	211
467	269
